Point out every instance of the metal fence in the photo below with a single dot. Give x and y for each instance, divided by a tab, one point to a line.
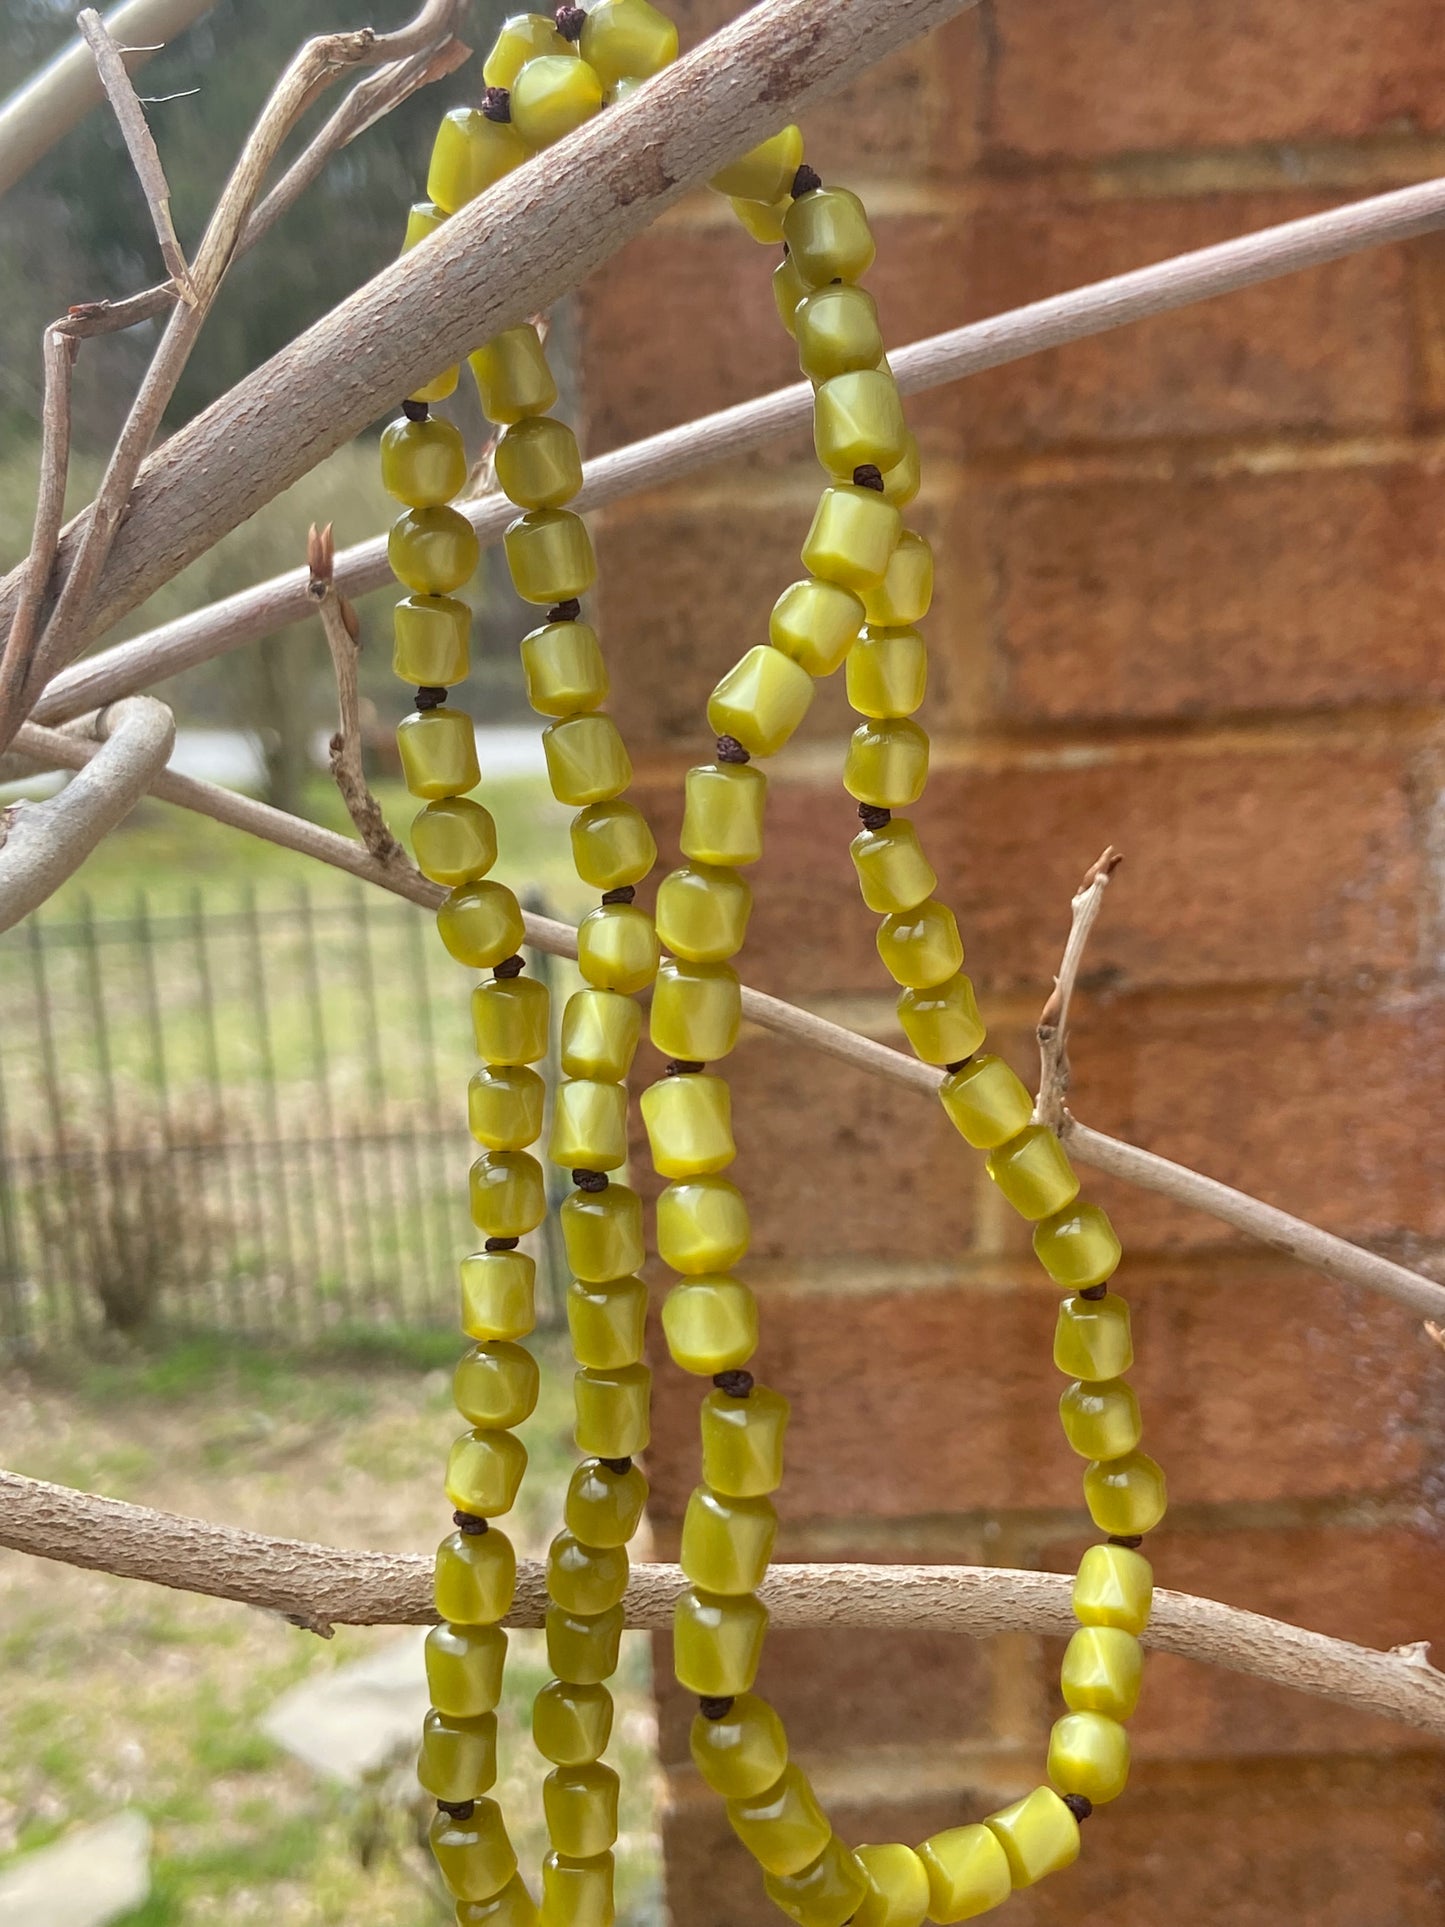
242	1113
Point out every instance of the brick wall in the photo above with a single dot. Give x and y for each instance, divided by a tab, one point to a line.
1190	604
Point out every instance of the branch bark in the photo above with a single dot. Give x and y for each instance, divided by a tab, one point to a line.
342	628
58	355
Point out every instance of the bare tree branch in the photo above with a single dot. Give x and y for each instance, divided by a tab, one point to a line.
58	355
1053	1026
342	628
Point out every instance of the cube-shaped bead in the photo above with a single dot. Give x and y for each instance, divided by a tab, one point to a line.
1038	1833
504	1106
722	815
589	1125
607	1321
580	1805
702	912
587	760
470	154
438	750
423	464
538	463
1101	1672
711	1325
498	1294
761	700
454	841
481	924
476	1577
1092	1338
967	1871
858	419
898	1891
512	375
552	96
613	1411
1126	1495
577	1893
689	1125
627	40
600	1032
582	1648
905	592
702	1225
549	554
744	1752
837	332
484	1473
717	1643
603	1507
585	1579
816	623
742	1442
513	1906
789	287
727	1542
696	1010
1114	1586
464	1669
762	219
887	763
783	1827
887	672
1101	1420
942	1024
602	1231
508	1194
571	1724
988	1104
431	640
495	1386
510	1020
828	236
563	668
921	947
853	533
765	172
432	550
893	873
903	481
458	1759
612	845
1077	1247
523	37
1089	1754
826	1893
617	948
473	1855
1033	1173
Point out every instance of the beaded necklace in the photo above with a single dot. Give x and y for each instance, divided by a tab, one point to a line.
869	584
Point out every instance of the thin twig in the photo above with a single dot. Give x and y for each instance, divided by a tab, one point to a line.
58	357
1053	1025
342	627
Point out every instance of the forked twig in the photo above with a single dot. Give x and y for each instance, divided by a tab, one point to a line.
1053	1025
342	627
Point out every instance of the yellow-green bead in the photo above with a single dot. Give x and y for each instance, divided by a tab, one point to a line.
717	1643
458	1759
580	1805
512	375
476	1577
904	594
710	1324
858	420
783	1827
887	763
524	37
585	1579
510	1019
942	1024
898	1891
612	845
967	1871
921	947
1127	1495
702	1225
762	219
551	96
1114	1586
464	1670
423	464
742	1442
600	1033
589	1126
765	172
577	1893
887	672
744	1752
837	333
893	873
987	1102
1102	1671
1033	1173
504	1106
431	641
495	1386
484	1473
481	924
571	1724
1101	1420
613	1411
537	462
1092	1339
722	813
438	750
582	1648
602	1231
498	1295
1038	1833
607	1321
902	482
513	1906
549	554
470	154
727	1542
816	624
1077	1247
432	550
852	535
696	1010
761	700
627	40
689	1125
454	841
508	1194
473	1855
423	218
789	287
826	1893
1089	1754
702	913
603	1507
617	948
828	236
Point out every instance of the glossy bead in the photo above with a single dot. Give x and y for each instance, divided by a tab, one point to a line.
537	462
742	1442
744	1752
857	419
454	841
689	1125
585	1579
613	1411
476	1576
789	287
826	1893
470	154
602	1507
762	219
524	37
495	1386
887	763
967	1871
783	1827
551	96
504	1106
422	218
837	334
617	948
722	815
1033	1173
438	750
432	550
512	375
1089	1754
942	1024
702	1225
612	845
571	1724
816	624
512	1907
711	1325
1092	1339
1038	1833
828	236
582	1648
580	1804
851	538
627	40
717	1643
902	482
696	1010
893	873
549	554
765	172
607	1321
1126	1495
563	669
726	1542
761	700
481	924
600	1032
431	640
1077	1247
887	672
458	1759
498	1295
921	947
484	1473
1101	1420
423	464
905	593
474	1855
510	1020
988	1104
702	913
898	1891
508	1194
1114	1586
577	1893
464	1670
589	1125
602	1231
1101	1672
